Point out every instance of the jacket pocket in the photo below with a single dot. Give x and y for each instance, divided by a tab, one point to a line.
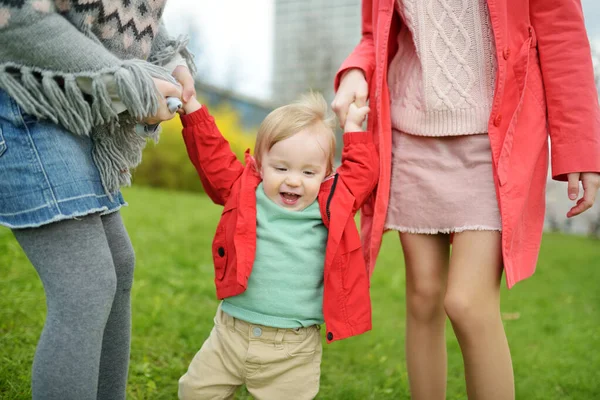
350	249
2	142
223	241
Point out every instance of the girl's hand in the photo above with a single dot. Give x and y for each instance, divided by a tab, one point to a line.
591	183
183	76
353	89
166	89
355	118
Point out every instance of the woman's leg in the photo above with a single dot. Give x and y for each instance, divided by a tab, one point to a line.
75	264
473	304
114	360
426	259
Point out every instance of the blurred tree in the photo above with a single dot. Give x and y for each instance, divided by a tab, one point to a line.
166	165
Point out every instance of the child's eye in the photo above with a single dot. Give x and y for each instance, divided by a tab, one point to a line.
309	173
280	169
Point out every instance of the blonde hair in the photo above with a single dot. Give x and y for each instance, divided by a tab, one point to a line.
286	121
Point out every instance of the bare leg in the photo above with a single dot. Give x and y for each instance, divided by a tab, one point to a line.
473	304
426	258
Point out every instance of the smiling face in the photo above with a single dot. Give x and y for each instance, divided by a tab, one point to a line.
294	168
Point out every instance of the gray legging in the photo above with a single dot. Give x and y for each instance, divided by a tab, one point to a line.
86	266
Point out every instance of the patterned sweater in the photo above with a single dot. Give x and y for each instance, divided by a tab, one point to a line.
442	78
66	60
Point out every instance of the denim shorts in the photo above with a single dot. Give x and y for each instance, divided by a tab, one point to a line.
47	174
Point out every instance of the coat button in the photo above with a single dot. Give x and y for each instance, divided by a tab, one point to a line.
498	120
506	53
329	336
221	251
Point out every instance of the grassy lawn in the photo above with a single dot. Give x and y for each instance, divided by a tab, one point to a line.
552	320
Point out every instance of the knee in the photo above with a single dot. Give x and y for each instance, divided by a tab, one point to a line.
85	301
425	301
124	261
467	312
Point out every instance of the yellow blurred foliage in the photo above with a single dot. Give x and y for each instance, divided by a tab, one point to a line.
167	165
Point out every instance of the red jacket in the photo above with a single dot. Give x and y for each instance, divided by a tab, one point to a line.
346	300
544	83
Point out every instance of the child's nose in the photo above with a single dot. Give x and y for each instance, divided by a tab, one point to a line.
292	180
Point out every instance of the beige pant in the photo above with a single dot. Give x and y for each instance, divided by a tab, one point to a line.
274	364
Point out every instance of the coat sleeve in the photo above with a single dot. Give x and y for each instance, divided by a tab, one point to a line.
209	151
363	56
360	166
572	98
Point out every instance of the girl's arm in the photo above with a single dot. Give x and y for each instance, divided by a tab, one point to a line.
572	99
209	151
354	76
363	56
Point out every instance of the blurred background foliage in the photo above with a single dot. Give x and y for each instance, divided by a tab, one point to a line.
167	165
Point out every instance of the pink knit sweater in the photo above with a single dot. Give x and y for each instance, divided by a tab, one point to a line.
441	79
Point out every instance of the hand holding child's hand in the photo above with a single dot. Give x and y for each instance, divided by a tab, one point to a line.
353	89
165	89
355	118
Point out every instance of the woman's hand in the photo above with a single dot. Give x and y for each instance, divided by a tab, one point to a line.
165	89
591	183
353	89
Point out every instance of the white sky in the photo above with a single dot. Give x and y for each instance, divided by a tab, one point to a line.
233	39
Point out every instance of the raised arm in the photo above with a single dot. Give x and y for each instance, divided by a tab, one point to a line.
210	153
360	164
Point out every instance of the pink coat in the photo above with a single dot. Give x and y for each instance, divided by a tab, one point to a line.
544	84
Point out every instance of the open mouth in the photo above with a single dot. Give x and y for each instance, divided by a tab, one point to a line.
289	198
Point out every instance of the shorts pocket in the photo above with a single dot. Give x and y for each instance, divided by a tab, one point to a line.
305	348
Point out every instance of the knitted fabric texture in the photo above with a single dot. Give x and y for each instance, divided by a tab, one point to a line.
46	46
442	78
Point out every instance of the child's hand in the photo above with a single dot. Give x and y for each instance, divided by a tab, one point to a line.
355	118
190	106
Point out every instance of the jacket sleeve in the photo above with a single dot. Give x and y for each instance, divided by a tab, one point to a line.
363	56
360	166
572	98
210	153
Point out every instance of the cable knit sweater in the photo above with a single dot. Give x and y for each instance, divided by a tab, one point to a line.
66	60
442	78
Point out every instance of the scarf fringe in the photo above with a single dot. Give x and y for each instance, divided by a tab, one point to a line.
57	97
173	47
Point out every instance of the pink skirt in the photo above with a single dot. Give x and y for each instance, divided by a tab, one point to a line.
442	185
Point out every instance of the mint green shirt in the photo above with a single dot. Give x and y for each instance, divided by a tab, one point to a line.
285	288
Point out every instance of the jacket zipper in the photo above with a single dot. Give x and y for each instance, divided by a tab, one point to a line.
330	197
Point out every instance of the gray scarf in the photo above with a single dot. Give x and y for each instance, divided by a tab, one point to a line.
47	47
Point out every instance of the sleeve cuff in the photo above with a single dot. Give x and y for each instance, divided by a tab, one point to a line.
357	137
197	117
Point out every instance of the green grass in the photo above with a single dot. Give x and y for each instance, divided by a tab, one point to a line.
553	319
